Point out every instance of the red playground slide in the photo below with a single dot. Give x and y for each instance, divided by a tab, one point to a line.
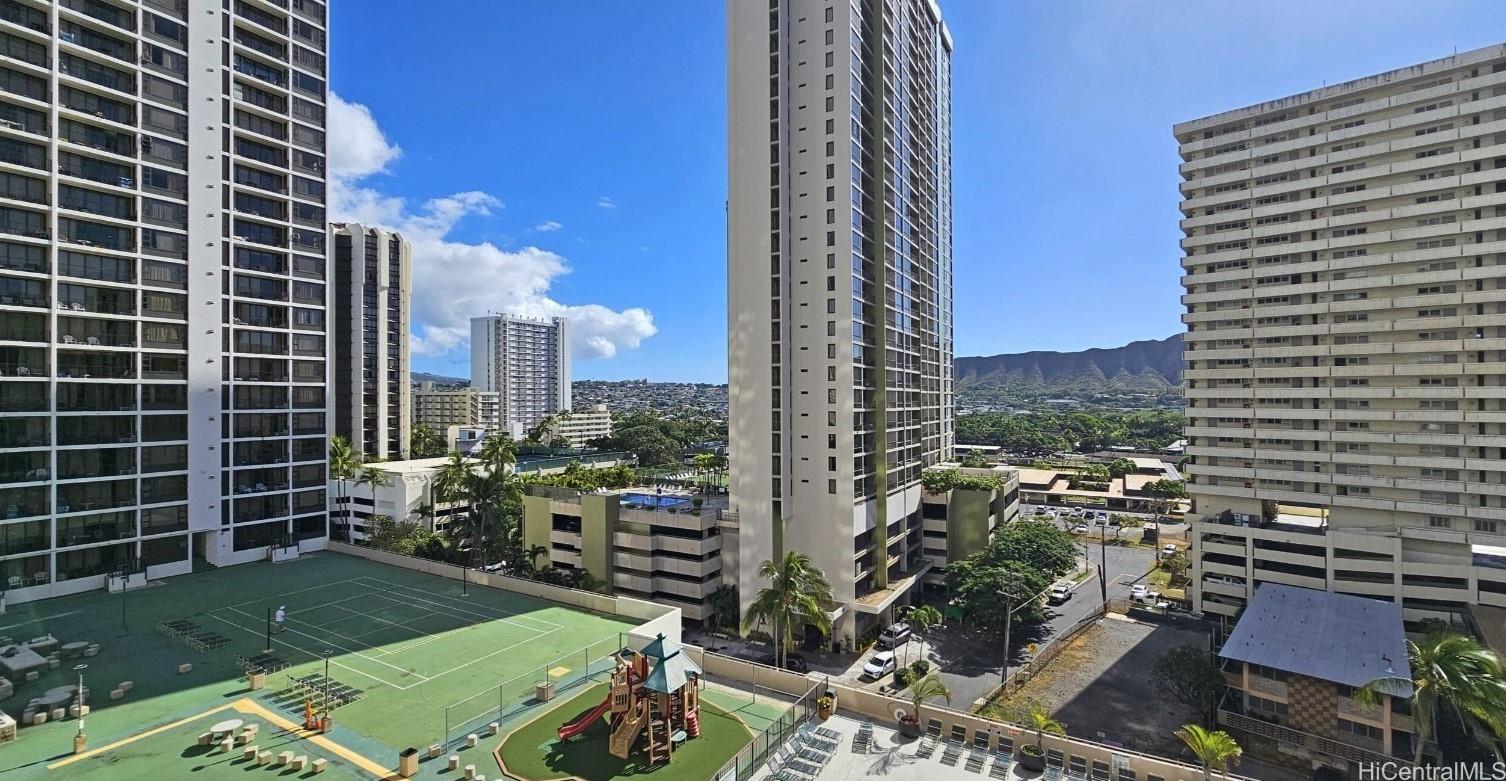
567	731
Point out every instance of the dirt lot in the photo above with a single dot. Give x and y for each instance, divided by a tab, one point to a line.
1100	686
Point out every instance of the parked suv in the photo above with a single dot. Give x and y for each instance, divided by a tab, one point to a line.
894	635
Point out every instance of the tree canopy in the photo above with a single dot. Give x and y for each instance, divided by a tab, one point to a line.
1021	560
1071	431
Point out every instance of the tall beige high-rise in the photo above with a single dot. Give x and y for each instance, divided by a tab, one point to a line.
1346	339
839	288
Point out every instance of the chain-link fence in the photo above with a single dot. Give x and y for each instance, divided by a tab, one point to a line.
519	693
753	755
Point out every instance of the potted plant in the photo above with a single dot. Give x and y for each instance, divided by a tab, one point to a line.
1033	757
929	687
826	705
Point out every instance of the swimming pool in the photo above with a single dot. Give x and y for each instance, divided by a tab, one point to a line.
654	500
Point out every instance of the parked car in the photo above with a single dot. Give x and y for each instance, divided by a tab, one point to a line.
1076	512
894	635
1080	528
1058	594
879	665
1169	550
1139	590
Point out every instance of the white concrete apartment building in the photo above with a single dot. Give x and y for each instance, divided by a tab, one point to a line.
1346	340
526	363
163	332
839	289
372	294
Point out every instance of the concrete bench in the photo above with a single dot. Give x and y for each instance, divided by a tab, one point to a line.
264	758
126	686
116	694
250	753
453	763
205	738
319	765
297	763
184	669
284	758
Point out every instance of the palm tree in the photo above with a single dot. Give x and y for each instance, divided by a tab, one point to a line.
921	689
1214	748
922	619
529	563
797	592
703	463
497	452
343	463
1451	673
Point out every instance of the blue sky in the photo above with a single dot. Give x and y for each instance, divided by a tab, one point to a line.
567	157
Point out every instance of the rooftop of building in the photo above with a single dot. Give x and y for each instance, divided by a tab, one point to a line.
1456	60
1333	637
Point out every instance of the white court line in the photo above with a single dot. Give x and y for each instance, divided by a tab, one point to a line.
506	615
490	655
342	648
354	613
264	600
259	633
438	609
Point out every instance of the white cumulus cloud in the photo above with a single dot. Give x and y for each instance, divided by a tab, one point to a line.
606	202
547	226
454	281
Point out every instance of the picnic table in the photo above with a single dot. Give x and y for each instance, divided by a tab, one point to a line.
17	660
225	727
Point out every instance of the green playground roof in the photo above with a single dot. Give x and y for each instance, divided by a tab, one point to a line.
671	673
661	648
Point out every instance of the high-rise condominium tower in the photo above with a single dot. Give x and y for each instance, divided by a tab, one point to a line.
1346	339
839	287
526	363
373	287
162	286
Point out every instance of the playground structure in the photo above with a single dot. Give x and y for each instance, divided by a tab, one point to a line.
655	692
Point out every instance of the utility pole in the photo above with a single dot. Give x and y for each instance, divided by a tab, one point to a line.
1103	565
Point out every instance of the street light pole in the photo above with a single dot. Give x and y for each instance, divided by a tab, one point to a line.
80	739
325	721
1103	565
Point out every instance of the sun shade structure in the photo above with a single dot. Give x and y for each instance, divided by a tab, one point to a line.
1332	637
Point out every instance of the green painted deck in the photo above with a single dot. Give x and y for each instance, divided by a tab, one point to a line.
413	643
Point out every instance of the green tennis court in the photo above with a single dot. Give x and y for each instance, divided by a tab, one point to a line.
402	645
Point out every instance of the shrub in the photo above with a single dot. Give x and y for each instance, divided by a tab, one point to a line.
919	668
902	678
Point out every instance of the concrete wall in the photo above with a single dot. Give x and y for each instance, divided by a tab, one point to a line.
537	522
862	703
655	618
967	526
598	522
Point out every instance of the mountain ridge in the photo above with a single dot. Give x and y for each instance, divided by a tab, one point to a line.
1150	364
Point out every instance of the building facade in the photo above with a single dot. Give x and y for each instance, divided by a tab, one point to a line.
668	552
839	286
583	425
526	363
1346	340
373	288
440	408
151	408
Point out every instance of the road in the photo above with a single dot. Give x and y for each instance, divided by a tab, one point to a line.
1124	565
968	659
